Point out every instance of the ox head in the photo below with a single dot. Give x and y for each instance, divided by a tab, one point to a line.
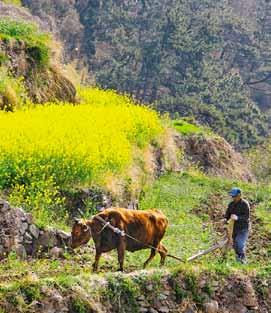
81	233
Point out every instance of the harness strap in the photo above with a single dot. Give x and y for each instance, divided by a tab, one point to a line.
105	225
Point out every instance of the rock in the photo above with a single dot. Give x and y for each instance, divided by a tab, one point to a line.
63	234
64	239
143	304
152	310
28	242
238	308
56	252
249	297
57	297
141	298
23	228
143	309
20	251
1	249
189	310
156	303
4	206
149	287
211	307
162	297
20	239
166	292
28	237
29	218
19	212
48	239
34	231
163	309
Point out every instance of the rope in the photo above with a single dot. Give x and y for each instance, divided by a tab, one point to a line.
123	234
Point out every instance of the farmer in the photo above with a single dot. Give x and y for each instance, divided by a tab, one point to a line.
239	211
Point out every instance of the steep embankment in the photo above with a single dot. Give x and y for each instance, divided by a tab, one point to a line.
143	291
210	152
27	62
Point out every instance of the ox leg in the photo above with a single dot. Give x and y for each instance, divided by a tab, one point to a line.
121	250
152	255
96	262
163	253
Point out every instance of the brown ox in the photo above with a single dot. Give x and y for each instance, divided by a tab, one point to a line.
148	227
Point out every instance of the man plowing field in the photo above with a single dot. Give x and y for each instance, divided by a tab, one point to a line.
239	211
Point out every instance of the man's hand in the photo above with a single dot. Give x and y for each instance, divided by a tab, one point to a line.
234	217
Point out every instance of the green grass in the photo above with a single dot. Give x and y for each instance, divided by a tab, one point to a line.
178	195
37	42
187	127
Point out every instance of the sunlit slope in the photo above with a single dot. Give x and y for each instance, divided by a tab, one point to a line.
45	149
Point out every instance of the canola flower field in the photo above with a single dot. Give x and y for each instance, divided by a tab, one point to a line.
47	148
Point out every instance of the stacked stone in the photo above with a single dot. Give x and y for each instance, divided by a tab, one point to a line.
237	295
18	233
163	302
6	230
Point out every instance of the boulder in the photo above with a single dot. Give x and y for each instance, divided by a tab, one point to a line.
56	253
4	206
211	307
20	251
34	231
23	228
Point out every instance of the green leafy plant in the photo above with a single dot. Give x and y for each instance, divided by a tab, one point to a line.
37	43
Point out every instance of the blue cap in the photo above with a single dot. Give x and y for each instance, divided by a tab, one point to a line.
235	192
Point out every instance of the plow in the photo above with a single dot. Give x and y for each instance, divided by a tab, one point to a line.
225	243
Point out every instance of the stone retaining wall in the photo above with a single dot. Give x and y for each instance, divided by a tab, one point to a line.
18	233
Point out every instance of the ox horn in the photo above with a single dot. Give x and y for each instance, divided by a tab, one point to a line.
86	228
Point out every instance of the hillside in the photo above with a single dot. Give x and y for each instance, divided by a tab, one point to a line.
50	169
210	61
69	152
28	65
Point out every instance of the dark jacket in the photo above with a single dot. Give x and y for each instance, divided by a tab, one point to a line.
242	210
